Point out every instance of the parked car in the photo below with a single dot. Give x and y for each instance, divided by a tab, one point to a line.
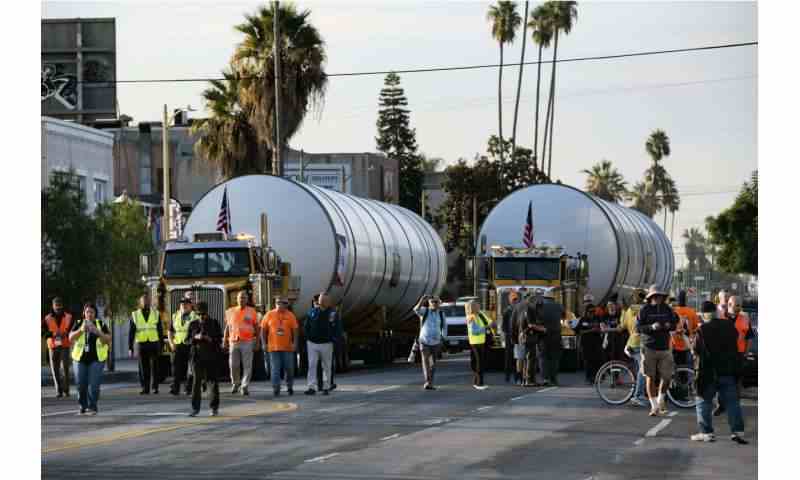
455	333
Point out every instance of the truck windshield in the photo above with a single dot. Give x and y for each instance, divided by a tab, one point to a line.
207	263
526	268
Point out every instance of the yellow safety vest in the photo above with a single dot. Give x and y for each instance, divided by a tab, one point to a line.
146	330
476	330
181	328
80	342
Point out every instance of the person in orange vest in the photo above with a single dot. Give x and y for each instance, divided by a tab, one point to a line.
55	328
742	323
279	333
241	338
685	330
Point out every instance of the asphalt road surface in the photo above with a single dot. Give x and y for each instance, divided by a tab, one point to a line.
380	424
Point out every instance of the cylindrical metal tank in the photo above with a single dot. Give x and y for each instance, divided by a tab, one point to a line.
365	253
625	248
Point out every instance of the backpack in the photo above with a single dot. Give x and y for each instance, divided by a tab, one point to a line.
424	317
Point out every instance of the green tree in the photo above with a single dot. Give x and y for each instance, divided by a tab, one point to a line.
524	20
542	33
670	201
694	247
430	164
505	21
641	199
397	140
303	79
735	231
227	140
605	182
562	15
518	172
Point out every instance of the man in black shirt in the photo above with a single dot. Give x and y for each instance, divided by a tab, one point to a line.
591	341
548	315
718	365
654	323
508	332
147	335
205	335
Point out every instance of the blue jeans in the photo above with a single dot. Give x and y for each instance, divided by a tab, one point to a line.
640	391
89	377
280	360
726	386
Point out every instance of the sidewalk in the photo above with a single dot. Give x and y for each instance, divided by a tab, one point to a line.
125	371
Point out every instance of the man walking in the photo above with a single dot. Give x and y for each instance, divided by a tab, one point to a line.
531	329
322	329
55	328
549	317
431	332
179	343
241	336
718	365
205	336
510	340
654	323
146	332
744	339
279	333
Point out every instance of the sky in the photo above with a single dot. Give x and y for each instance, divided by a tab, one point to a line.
705	101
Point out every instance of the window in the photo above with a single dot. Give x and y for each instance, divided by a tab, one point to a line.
99	191
204	263
388	180
526	269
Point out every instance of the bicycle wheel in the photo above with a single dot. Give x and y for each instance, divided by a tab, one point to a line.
682	392
615	383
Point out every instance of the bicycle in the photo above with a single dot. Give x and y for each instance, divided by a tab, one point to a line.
615	383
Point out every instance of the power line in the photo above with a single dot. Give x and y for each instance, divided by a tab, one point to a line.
456	68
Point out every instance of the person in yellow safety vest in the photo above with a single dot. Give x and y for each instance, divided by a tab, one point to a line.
55	328
477	323
180	345
241	338
90	340
146	332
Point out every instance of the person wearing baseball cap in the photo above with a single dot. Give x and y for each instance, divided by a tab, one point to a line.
655	322
179	343
205	335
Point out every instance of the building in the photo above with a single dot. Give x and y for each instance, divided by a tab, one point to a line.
87	151
79	68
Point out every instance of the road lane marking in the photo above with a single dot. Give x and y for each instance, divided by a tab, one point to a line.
483	408
521	397
322	458
340	408
548	389
661	425
383	389
672	414
639	442
390	437
73	411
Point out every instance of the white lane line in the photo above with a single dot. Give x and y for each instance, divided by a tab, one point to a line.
521	397
639	442
60	413
661	425
390	437
483	408
672	414
340	408
322	458
383	389
548	389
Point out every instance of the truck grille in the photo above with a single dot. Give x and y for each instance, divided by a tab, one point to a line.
213	296
456	330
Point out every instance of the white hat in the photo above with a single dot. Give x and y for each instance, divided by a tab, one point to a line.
655	290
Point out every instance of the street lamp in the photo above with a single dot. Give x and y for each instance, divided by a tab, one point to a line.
345	179
165	159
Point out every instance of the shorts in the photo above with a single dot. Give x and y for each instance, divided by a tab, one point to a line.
657	363
519	351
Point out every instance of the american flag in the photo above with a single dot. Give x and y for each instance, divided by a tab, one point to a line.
527	234
224	219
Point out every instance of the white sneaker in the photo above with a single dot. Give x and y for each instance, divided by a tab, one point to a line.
638	402
703	437
481	387
662	407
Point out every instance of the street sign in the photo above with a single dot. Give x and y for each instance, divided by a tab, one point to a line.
699	278
733	286
691	291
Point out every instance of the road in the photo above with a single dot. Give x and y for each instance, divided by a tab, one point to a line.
380	424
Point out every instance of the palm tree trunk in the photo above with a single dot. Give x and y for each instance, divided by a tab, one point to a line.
552	104
519	82
672	228
665	221
500	102
546	129
536	119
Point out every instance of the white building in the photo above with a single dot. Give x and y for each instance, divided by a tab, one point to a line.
88	151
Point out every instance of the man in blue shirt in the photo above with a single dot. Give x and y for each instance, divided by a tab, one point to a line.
431	332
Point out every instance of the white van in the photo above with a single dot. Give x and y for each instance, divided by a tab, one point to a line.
455	332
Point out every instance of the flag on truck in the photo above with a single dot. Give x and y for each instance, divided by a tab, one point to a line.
527	235
224	219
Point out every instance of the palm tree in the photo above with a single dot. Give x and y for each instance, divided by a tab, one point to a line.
227	141
642	200
505	21
542	35
303	78
670	201
562	15
519	81
657	145
605	182
695	247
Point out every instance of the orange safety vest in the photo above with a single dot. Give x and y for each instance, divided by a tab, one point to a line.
742	326
242	323
678	340
61	330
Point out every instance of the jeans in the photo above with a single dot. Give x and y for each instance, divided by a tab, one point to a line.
278	361
89	377
726	386
640	389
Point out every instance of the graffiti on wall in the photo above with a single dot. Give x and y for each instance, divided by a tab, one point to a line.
63	87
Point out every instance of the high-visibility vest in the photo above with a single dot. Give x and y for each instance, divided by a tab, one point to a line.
242	323
476	331
80	342
182	328
146	330
742	326
687	314
61	331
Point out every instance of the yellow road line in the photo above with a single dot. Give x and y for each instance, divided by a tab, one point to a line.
277	408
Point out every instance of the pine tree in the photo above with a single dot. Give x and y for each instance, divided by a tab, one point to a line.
397	140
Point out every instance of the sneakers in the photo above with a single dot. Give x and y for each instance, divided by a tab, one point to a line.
662	407
702	437
59	395
91	412
245	391
736	437
276	392
639	402
428	386
653	412
144	392
213	413
290	391
310	391
82	411
155	391
194	413
481	387
235	389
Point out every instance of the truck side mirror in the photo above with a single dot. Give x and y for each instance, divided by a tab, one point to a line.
469	267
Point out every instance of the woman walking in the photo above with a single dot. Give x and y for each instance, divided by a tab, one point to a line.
477	323
90	339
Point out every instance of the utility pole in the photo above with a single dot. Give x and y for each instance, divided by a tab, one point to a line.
302	177
277	166
344	181
165	157
423	203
